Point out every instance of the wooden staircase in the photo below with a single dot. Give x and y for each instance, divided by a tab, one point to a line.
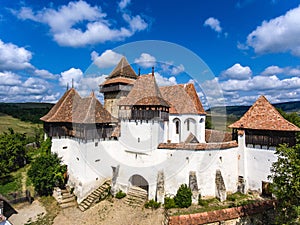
136	196
97	195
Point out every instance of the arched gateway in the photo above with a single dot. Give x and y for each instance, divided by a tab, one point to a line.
139	181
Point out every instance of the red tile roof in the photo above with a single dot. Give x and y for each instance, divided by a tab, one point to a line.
71	108
144	92
198	146
263	116
183	99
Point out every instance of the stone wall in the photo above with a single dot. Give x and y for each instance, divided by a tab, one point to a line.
256	213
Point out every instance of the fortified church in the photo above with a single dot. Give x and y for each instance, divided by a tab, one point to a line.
154	138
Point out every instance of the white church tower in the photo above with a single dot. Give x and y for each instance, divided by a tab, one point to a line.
143	115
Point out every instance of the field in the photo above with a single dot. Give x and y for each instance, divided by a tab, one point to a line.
17	125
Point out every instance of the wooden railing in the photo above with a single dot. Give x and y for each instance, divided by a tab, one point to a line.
143	114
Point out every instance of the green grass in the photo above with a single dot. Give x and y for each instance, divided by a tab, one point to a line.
17	125
11	183
211	204
221	122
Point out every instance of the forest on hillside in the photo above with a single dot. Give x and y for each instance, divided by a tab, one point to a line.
27	112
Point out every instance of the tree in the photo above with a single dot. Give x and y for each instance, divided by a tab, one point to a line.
46	171
293	118
286	184
183	197
12	151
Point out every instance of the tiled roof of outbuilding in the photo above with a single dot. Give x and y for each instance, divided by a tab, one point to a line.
144	92
71	108
263	116
183	99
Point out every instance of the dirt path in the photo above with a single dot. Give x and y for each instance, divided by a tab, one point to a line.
23	182
106	212
27	211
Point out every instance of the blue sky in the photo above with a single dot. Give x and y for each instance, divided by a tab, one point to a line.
251	47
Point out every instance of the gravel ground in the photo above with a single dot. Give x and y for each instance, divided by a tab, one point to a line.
106	212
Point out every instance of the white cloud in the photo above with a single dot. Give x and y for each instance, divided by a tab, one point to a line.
107	59
146	60
214	24
35	86
95	28
280	34
275	70
293	71
10	79
88	84
71	76
272	70
261	83
13	57
53	98
124	3
237	72
164	81
31	89
136	23
45	74
168	67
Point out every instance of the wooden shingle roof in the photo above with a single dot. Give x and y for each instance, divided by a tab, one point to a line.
71	108
263	116
121	80
62	111
183	99
123	69
144	92
91	111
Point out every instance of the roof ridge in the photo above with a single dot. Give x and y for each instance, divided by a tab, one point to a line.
90	99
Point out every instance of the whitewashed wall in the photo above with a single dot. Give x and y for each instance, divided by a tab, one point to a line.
141	135
259	162
90	163
197	127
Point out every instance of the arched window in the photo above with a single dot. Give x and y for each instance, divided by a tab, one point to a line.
177	127
190	125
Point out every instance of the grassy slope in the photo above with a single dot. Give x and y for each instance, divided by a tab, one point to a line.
18	125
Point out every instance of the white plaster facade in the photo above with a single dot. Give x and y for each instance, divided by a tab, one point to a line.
91	163
141	135
180	126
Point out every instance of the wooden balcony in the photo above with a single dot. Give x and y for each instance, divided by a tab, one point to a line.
118	87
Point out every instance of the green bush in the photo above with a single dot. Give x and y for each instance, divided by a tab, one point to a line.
169	203
120	194
152	204
183	197
203	202
235	196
